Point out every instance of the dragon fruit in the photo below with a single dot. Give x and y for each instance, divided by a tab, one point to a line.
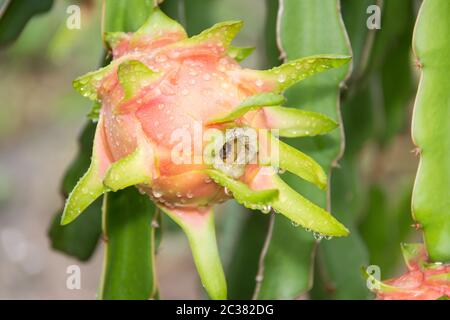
163	88
422	281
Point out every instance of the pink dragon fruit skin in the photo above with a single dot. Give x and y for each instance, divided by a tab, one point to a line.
422	281
161	110
160	81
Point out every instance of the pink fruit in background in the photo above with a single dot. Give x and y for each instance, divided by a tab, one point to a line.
175	114
422	281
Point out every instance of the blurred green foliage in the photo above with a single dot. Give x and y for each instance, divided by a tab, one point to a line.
15	15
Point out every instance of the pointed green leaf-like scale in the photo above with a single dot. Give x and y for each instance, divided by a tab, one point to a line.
133	76
90	186
94	114
294	71
414	254
221	33
302	165
303	212
251	103
200	231
239	54
443	277
87	85
288	158
136	168
242	193
159	24
292	122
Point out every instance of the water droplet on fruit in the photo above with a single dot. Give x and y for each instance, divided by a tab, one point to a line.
266	209
161	58
317	236
259	83
156	193
174	54
281	78
206	92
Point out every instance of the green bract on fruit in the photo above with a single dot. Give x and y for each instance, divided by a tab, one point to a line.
422	281
182	121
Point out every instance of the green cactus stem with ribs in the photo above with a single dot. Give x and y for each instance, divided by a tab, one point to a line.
430	129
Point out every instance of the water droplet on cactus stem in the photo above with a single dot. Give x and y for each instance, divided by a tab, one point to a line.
281	78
